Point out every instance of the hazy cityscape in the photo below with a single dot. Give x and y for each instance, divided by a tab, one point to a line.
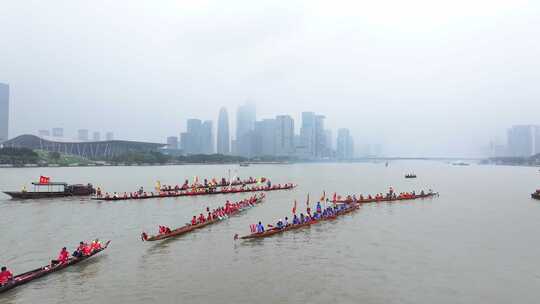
279	137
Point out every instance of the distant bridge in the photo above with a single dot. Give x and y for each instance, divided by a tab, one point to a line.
87	149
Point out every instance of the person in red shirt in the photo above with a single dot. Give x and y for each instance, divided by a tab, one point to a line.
96	245
86	250
63	256
194	220
5	276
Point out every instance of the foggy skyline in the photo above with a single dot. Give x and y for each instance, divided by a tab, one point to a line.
420	78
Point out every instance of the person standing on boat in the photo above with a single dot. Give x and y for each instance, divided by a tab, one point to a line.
319	208
5	276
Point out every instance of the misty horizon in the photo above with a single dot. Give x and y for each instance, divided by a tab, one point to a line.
419	79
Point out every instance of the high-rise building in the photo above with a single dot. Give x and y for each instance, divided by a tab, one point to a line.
285	145
96	136
328	139
44	133
82	134
199	137
264	138
4	112
207	138
345	144
307	133
223	136
172	143
521	140
191	140
58	132
109	136
313	134
245	124
320	137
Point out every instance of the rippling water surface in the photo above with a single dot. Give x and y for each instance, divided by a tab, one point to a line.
477	243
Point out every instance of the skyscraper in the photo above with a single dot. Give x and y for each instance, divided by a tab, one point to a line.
191	140
264	138
320	137
4	112
245	124
345	144
82	134
328	139
207	138
284	135
223	137
521	140
307	133
313	135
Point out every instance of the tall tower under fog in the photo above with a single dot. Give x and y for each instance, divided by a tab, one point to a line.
223	136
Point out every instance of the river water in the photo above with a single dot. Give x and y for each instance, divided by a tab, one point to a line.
476	243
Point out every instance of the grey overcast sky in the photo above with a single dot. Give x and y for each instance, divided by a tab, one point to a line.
419	77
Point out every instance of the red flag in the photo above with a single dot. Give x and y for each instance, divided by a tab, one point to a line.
294	207
334	199
44	179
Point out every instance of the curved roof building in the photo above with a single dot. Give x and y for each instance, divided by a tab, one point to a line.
89	149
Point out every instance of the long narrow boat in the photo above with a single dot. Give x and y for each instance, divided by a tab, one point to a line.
275	231
46	270
221	184
188	227
390	199
196	193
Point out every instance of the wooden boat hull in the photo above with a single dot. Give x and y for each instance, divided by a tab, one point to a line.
29	276
272	232
188	228
373	200
263	179
190	194
36	195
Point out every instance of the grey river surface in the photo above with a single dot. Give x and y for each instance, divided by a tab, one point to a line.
476	243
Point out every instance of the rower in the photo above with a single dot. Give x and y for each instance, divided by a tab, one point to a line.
319	208
5	276
194	220
63	257
260	228
295	220
286	222
87	250
96	245
79	251
279	224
